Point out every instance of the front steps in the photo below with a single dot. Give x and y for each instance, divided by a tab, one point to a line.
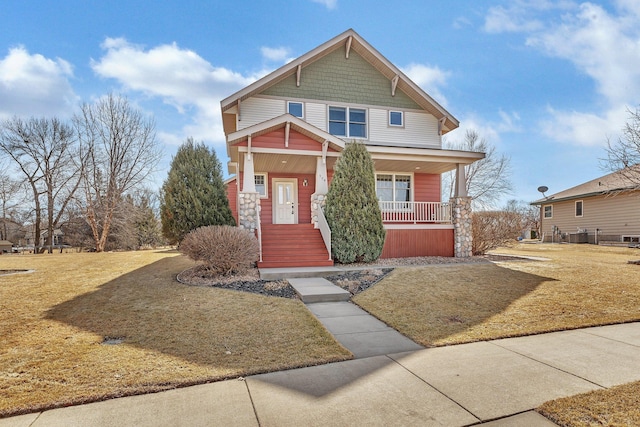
293	245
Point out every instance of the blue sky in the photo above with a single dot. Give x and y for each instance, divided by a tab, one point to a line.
547	82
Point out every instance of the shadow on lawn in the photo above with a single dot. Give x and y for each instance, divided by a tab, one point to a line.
435	305
149	309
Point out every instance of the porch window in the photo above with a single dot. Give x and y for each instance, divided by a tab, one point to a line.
348	122
295	109
261	184
548	211
393	188
579	208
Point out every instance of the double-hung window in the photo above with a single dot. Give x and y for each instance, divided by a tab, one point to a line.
394	189
548	211
348	122
578	208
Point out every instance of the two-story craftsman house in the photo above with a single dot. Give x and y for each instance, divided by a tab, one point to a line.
285	131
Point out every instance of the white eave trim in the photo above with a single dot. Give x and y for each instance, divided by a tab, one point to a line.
400	153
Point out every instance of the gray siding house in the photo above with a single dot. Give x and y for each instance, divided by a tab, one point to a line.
605	210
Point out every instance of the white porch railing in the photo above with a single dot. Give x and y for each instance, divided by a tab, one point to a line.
259	229
415	212
325	231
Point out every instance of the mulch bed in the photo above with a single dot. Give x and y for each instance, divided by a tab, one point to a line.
353	281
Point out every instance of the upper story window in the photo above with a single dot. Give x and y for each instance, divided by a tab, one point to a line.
348	122
295	109
579	208
393	188
396	118
261	184
548	211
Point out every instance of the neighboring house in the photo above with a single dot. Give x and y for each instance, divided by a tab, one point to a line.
285	132
604	210
5	246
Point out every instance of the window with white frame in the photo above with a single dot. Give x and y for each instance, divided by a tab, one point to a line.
261	184
579	208
393	188
295	109
548	211
396	118
348	122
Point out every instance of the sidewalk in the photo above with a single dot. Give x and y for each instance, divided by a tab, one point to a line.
452	386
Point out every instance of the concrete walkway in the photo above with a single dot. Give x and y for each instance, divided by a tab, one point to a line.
358	331
498	382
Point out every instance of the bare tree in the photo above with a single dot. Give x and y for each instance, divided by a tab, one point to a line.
11	196
487	179
43	149
118	152
623	155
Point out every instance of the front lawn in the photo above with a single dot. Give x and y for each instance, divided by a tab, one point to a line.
577	286
86	327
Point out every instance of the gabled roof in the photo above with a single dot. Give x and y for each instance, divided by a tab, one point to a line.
611	183
280	122
353	41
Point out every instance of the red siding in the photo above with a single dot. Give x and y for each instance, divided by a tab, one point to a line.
426	187
232	195
275	139
416	242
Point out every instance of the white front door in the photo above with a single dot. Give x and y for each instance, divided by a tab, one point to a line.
285	201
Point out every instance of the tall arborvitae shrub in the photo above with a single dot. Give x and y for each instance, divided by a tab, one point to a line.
193	194
352	209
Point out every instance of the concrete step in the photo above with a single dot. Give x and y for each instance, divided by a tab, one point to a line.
318	289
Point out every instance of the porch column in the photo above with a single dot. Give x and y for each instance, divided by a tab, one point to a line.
322	187
462	228
461	181
249	180
248	198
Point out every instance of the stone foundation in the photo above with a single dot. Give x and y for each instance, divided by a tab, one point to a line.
248	210
317	202
461	218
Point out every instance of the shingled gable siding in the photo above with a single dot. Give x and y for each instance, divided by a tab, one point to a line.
335	78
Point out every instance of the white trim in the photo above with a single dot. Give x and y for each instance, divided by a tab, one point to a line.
575	208
393	174
266	184
418	226
274	205
290	151
295	102
348	107
389	124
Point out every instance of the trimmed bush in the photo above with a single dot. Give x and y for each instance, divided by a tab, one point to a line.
352	209
222	249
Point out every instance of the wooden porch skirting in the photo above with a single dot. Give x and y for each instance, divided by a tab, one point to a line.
418	240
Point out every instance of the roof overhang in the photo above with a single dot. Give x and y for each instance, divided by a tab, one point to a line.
396	77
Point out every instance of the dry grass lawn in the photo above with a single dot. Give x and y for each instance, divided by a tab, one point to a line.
578	286
614	407
53	323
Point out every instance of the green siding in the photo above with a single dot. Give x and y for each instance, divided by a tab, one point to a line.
335	78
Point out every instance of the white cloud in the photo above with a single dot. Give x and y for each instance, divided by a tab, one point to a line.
329	4
491	130
278	54
180	77
32	85
584	129
602	44
430	79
